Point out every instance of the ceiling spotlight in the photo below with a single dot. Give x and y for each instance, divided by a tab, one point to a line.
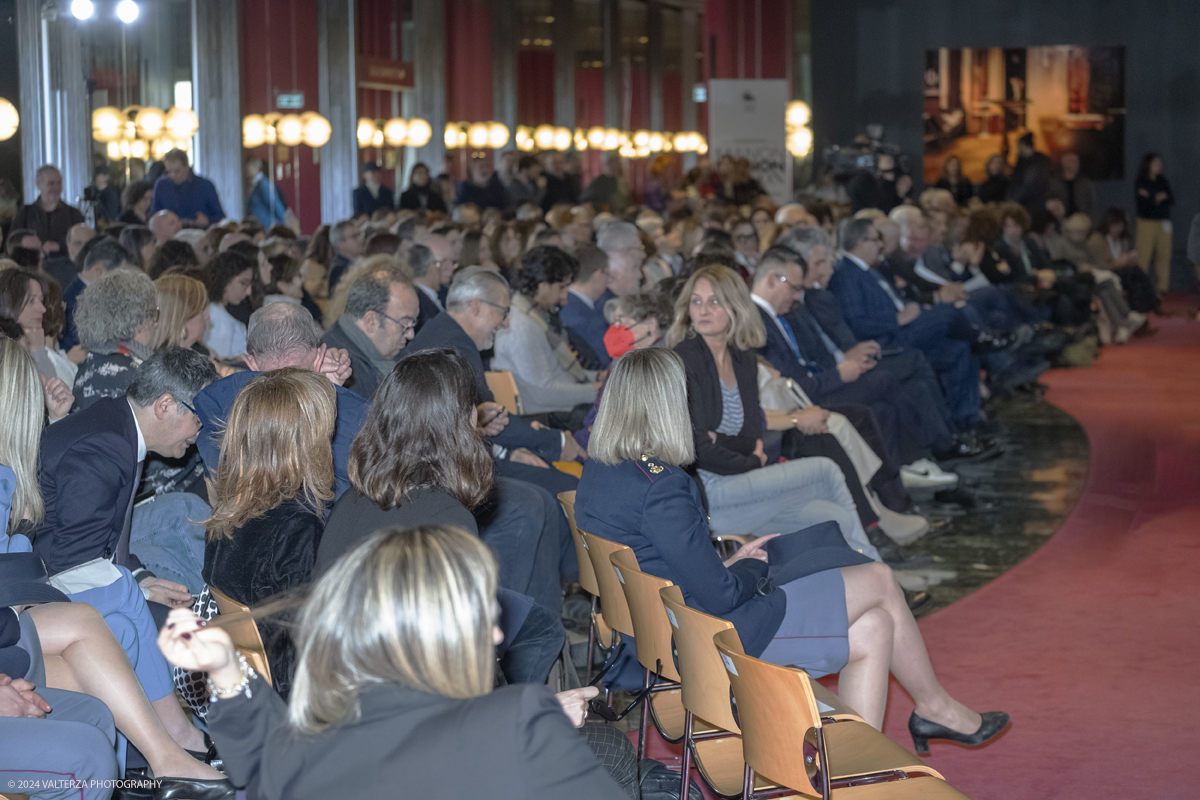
127	11
82	9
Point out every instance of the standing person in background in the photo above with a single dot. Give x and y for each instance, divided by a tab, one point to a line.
48	216
995	186
108	197
1030	183
370	194
264	201
1076	190
1154	200
609	191
193	198
953	181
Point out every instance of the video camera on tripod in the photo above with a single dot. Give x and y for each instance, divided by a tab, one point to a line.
863	154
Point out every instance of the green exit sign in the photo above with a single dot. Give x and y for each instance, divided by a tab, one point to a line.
290	100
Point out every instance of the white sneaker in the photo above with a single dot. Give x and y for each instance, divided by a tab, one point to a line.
924	474
901	528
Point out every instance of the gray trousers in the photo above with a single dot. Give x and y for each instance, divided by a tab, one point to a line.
70	753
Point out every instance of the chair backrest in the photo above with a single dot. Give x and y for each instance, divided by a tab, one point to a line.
701	671
587	575
243	632
777	709
504	388
612	597
651	630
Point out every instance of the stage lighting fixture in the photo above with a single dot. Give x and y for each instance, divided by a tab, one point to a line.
127	11
82	9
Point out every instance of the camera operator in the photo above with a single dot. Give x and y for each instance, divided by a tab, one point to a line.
883	187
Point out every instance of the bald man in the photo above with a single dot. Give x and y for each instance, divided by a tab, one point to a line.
65	267
793	215
164	225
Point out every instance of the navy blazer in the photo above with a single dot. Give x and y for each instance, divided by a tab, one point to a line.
70	334
216	401
588	323
810	375
729	455
427	310
866	305
88	473
661	518
826	309
444	331
365	205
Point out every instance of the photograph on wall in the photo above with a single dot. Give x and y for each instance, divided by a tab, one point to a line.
978	102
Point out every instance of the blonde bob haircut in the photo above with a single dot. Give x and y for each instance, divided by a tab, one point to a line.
644	411
411	607
180	298
745	330
21	428
275	446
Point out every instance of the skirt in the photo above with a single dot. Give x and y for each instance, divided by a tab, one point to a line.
814	633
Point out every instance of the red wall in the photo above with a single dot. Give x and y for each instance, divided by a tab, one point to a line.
535	87
374	20
279	45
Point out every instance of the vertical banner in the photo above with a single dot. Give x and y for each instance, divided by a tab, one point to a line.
746	119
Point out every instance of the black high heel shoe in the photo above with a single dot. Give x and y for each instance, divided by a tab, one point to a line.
923	730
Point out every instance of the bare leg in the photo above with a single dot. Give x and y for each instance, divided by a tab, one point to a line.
82	655
863	682
871	587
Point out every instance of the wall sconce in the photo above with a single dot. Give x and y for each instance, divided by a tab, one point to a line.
10	120
799	135
395	132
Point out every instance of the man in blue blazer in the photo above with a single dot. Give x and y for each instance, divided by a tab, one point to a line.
584	311
874	311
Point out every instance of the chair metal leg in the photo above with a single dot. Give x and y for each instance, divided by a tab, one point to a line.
686	767
591	651
641	753
607	691
823	754
748	783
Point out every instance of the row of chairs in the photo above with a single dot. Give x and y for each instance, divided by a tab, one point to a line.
752	729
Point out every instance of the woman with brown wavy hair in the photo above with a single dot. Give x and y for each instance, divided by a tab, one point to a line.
418	459
273	479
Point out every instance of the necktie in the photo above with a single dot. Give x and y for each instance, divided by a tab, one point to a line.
122	556
791	337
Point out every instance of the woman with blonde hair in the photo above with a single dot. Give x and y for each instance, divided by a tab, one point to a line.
273	479
716	330
842	614
182	312
20	436
393	684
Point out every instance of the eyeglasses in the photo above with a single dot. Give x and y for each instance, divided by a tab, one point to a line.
190	408
746	237
505	309
405	326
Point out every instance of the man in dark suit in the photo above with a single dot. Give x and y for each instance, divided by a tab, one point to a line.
381	312
584	311
432	264
347	241
370	194
283	335
874	311
102	257
477	307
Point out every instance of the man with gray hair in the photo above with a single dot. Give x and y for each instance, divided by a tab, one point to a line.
283	335
622	243
348	244
381	312
48	216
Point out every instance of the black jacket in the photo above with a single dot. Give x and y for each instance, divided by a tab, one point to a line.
88	473
264	557
417	197
729	455
512	744
365	378
365	204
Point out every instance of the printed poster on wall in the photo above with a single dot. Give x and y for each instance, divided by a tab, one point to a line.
746	120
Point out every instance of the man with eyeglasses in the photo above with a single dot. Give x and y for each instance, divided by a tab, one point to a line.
381	314
432	265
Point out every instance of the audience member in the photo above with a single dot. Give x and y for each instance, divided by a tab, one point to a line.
104	255
584	309
48	216
166	225
825	622
64	266
421	194
136	199
140	243
116	317
272	482
370	193
174	257
346	242
953	181
1030	181
229	282
609	191
432	265
189	196
1076	190
264	200
380	313
622	243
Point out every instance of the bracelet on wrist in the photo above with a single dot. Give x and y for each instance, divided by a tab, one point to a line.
243	686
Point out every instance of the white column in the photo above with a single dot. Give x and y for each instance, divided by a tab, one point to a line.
504	63
564	63
217	99
337	92
429	76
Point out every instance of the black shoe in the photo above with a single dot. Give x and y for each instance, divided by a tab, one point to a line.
923	730
194	789
893	555
916	600
993	342
967	446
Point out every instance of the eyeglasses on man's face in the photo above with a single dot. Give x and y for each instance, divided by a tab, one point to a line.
406	323
504	309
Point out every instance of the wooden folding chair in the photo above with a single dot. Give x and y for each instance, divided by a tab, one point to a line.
612	598
598	630
785	740
652	635
244	632
504	388
716	747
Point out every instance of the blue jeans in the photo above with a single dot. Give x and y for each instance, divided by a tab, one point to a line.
786	497
168	536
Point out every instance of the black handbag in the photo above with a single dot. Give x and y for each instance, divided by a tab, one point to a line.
817	548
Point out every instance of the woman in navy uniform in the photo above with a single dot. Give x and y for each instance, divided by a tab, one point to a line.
852	620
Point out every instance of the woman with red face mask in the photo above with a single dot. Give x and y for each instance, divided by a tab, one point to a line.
638	321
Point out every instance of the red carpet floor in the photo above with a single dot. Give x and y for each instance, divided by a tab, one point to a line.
1091	643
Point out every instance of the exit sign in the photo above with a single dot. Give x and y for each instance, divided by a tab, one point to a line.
290	100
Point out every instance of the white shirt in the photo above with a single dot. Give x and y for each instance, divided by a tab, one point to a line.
431	294
226	336
765	306
141	438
